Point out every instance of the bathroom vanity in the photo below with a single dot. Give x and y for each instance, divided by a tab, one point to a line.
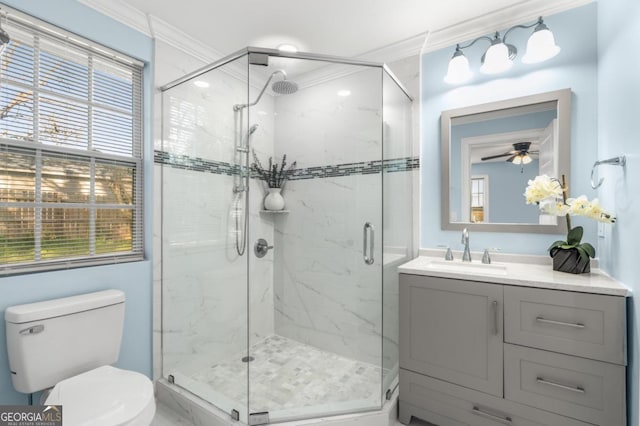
511	343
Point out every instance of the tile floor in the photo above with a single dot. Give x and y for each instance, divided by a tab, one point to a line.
286	375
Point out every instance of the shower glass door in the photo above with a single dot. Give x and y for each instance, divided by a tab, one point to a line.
315	298
204	245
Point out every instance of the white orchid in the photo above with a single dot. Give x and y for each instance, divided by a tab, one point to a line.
581	206
555	207
542	188
551	197
548	193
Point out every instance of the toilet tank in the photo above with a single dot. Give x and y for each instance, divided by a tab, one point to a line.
56	339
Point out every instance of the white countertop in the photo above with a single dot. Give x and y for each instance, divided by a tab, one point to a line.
515	273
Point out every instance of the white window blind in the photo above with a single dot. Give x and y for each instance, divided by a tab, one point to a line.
70	152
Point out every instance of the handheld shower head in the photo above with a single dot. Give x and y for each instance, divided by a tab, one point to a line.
252	129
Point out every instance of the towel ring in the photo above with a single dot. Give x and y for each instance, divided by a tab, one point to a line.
616	161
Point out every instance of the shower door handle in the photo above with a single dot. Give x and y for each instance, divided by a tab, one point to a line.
368	238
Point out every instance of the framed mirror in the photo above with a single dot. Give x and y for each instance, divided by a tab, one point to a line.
489	153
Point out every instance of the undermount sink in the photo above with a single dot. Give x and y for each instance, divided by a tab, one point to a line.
468	267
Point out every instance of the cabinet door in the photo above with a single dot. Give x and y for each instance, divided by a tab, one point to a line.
452	330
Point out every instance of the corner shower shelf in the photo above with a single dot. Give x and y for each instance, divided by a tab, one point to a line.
274	211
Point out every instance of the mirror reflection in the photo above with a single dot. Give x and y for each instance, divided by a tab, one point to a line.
493	150
499	152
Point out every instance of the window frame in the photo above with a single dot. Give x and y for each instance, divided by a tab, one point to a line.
93	51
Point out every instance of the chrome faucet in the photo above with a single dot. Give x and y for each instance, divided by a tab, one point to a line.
466	256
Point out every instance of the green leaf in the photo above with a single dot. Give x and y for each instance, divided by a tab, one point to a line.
568	246
556	244
589	249
584	256
575	235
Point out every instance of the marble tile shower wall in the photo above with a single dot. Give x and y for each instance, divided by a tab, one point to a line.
204	281
312	294
325	295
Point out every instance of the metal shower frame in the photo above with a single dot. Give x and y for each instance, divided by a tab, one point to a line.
277	53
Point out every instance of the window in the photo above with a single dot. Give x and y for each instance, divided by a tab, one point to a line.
70	151
479	204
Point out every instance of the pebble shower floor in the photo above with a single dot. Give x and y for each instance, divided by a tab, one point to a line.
286	374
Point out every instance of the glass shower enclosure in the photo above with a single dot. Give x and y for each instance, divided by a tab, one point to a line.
276	315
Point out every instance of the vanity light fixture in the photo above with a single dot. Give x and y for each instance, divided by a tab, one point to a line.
499	57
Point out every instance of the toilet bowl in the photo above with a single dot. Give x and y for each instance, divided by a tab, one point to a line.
105	396
80	338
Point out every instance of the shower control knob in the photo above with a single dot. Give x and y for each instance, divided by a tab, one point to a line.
261	247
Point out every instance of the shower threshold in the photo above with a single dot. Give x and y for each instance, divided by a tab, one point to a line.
196	411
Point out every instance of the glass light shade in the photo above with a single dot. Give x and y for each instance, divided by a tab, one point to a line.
521	159
541	46
458	71
496	59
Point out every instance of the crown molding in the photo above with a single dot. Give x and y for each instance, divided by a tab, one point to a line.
155	27
161	30
167	33
527	10
396	51
387	54
122	12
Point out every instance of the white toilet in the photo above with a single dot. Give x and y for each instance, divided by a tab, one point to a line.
65	347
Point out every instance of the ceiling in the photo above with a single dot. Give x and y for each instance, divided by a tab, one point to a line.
335	27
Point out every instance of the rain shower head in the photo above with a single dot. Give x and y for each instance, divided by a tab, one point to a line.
282	87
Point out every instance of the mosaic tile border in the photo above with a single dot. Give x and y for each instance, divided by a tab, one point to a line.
198	164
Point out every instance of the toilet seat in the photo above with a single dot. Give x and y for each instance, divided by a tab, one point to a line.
105	396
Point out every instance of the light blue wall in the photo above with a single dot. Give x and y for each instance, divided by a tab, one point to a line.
618	115
506	181
575	67
537	120
135	279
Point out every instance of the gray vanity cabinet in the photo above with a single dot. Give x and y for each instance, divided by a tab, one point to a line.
452	330
556	358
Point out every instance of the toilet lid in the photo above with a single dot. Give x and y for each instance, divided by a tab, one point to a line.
104	396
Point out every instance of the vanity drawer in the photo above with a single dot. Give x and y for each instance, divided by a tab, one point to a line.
445	404
587	325
583	389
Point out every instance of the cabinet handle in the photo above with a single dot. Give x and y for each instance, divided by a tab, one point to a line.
553	322
494	308
576	389
501	419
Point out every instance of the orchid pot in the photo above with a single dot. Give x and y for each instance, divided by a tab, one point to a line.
570	255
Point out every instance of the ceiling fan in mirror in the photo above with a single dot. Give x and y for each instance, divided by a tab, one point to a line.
520	155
